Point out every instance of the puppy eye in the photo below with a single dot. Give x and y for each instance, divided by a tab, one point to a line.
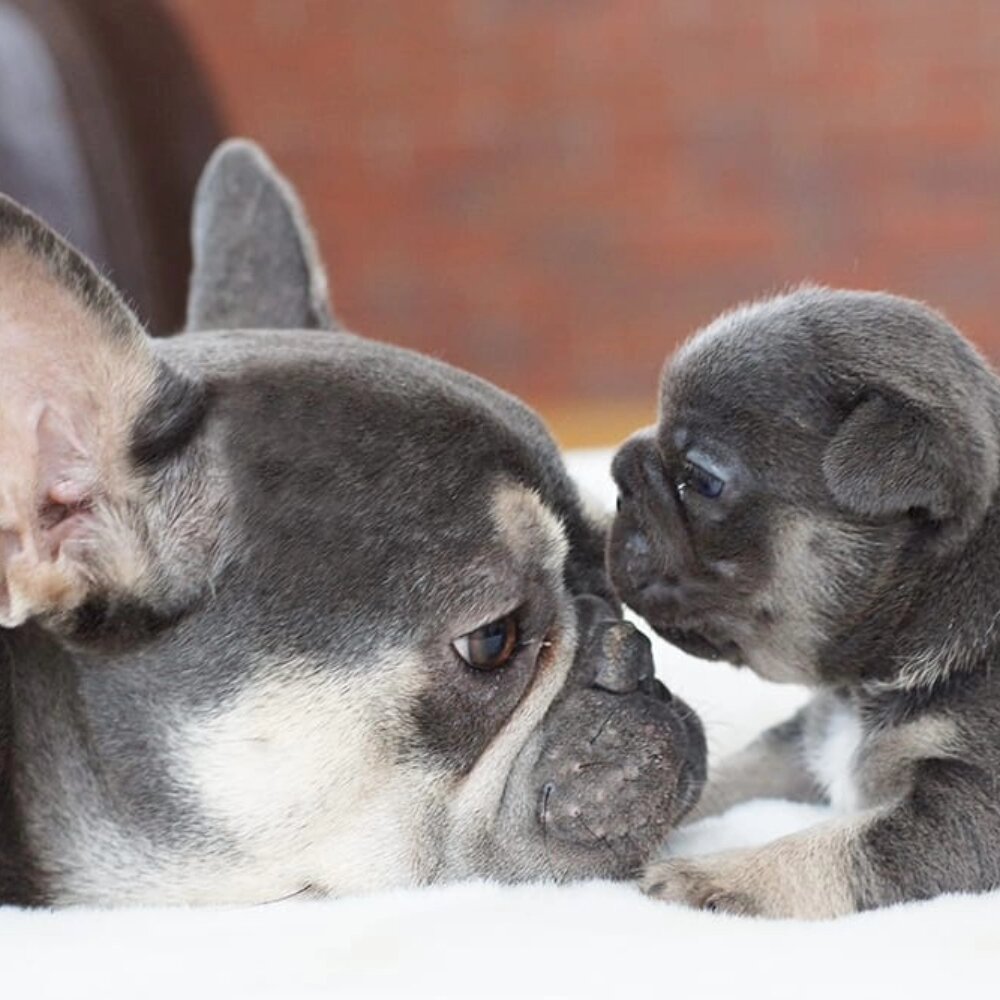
490	646
697	478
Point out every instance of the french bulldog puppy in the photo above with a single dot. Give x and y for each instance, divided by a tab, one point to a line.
288	611
819	502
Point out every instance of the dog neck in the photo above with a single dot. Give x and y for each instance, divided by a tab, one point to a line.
20	882
947	625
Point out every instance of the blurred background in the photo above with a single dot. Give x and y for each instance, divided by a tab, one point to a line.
552	193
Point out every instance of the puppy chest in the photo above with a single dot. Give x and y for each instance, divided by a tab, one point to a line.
834	756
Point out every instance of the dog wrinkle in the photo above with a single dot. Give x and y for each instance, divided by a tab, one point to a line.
958	653
476	807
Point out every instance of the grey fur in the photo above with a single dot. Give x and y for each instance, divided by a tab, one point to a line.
773	766
259	695
854	547
256	263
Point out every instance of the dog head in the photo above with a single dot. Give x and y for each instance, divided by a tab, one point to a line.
322	613
822	462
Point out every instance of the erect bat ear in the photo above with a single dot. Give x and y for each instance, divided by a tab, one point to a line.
77	369
256	264
893	456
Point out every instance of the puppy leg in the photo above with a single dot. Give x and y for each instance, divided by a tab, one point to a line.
771	767
806	875
939	838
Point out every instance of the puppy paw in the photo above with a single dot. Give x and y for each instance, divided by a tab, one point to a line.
699	884
804	876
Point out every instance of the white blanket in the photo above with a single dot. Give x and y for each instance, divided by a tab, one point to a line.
482	940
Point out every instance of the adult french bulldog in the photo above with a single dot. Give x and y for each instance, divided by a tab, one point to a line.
290	611
819	502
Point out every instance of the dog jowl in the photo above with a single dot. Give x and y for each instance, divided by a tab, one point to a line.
818	502
288	611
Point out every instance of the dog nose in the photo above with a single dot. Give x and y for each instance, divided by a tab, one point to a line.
626	466
624	660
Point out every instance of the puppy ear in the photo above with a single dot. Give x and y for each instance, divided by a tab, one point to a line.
893	456
256	264
77	369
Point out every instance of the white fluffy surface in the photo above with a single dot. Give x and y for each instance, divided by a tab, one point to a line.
482	940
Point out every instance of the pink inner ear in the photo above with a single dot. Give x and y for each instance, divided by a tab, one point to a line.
75	369
67	478
48	489
66	493
63	515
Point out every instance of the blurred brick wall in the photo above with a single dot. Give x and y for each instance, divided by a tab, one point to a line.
554	192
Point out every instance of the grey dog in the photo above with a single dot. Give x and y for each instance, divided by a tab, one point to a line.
819	502
287	611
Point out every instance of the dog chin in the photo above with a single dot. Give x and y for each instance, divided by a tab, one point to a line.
698	644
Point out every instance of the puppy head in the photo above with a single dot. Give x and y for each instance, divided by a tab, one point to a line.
819	457
331	609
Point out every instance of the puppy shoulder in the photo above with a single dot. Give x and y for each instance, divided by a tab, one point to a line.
905	730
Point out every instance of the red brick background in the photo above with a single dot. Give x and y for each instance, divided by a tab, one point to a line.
554	192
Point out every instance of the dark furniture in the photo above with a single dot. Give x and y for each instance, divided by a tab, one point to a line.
105	123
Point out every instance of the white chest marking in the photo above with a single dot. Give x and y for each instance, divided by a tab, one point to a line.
833	759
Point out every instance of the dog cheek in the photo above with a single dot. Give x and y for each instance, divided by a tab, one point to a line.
811	563
458	711
449	727
617	558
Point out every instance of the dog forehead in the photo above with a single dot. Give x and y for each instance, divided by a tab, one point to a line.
364	408
813	342
753	372
375	482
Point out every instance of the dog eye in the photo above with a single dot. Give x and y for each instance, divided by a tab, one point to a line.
490	646
699	479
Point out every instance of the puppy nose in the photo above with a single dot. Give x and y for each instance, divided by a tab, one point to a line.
624	659
626	466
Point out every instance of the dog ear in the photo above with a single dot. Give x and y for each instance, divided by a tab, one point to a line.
77	370
256	264
894	456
